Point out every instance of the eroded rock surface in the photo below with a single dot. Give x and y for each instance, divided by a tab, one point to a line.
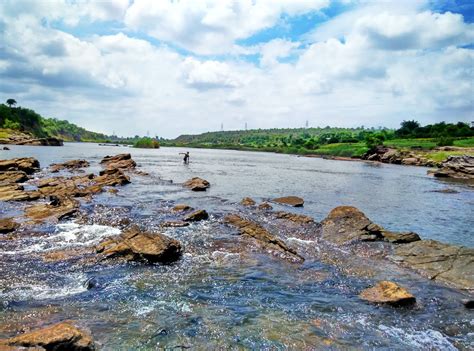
16	192
294	201
136	245
121	161
9	177
8	225
386	292
297	218
29	165
69	165
196	216
443	262
57	209
61	336
247	201
259	233
197	184
460	167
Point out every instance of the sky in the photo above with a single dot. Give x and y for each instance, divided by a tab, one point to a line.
171	67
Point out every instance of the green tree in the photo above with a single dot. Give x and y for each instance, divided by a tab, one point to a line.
11	102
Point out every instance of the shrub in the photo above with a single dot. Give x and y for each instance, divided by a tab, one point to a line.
445	141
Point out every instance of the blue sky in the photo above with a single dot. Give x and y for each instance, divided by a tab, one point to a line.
180	67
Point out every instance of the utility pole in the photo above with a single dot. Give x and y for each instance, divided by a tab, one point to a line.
222	127
246	126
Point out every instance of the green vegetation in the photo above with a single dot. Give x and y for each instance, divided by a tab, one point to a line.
28	121
347	142
147	143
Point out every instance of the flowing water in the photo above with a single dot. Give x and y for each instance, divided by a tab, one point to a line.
223	293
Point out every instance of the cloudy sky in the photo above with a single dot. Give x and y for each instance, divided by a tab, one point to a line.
175	67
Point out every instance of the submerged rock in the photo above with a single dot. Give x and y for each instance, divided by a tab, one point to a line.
197	184
386	292
297	218
61	336
9	177
70	165
265	206
294	201
196	216
247	201
181	208
29	165
460	167
259	233
121	161
174	224
8	225
442	262
136	245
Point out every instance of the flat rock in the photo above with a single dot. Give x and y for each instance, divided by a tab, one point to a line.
181	208
61	336
8	225
196	216
121	161
247	201
16	192
294	201
197	184
460	167
69	165
57	209
175	224
297	218
9	177
450	264
262	235
29	165
386	292
400	238
137	245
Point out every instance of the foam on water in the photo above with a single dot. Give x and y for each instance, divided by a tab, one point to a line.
419	339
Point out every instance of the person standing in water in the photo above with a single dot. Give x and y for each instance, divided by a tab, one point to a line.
186	156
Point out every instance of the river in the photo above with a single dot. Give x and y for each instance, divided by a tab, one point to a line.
214	298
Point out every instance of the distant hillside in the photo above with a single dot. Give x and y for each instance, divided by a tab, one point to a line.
28	121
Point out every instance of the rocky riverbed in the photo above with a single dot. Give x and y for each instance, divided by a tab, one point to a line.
242	276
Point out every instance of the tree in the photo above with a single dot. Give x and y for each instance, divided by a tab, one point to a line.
11	102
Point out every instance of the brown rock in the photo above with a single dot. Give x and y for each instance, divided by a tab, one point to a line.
290	201
69	165
181	208
259	233
174	224
121	161
247	201
386	292
442	262
135	245
58	209
10	177
461	167
197	184
196	216
400	238
265	206
15	192
294	217
61	336
29	165
8	225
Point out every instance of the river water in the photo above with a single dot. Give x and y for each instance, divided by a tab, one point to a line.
216	297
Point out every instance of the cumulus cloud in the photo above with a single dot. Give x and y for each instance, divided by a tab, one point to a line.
209	74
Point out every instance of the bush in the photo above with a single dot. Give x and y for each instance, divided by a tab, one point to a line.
11	125
147	143
445	141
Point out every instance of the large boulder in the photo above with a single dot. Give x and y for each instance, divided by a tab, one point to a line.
197	184
386	292
256	231
294	201
7	225
69	165
461	167
121	161
61	336
136	245
442	262
29	165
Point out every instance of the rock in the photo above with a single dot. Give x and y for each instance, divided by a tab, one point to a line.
347	223
6	148
265	206
121	161
57	209
29	165
197	184
410	161
259	233
181	208
290	200
16	192
294	217
69	165
460	167
135	245
441	262
445	191
247	201
9	177
8	225
61	336
41	142
468	303
174	224
386	292
400	238
112	177
196	216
